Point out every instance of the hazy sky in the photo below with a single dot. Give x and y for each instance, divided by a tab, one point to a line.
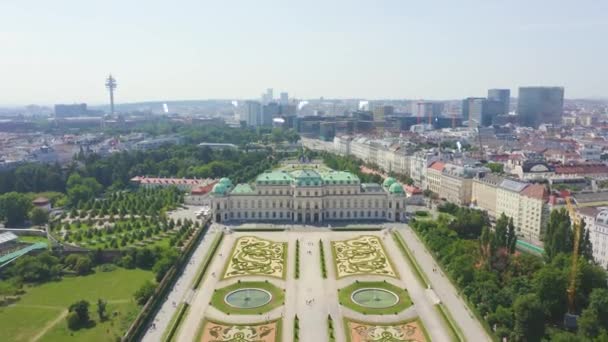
61	50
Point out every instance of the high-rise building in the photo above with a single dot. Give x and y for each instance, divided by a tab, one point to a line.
379	115
284	99
252	114
269	112
475	111
503	96
491	109
482	112
539	105
381	112
467	104
427	108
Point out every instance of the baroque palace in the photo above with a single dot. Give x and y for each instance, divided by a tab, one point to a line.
307	193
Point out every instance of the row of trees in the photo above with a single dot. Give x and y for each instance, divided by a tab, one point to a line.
521	296
141	202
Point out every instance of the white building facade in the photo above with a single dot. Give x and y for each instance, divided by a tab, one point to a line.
307	196
596	221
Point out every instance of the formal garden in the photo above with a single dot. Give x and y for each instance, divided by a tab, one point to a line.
134	231
364	255
216	331
410	331
252	310
252	256
125	219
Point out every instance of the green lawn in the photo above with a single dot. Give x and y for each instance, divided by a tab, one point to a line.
22	323
451	326
41	304
33	239
418	272
345	298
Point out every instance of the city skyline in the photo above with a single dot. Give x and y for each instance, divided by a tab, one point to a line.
60	53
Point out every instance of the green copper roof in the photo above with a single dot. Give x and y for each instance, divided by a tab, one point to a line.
307	177
219	189
243	189
396	188
388	182
274	178
226	181
339	177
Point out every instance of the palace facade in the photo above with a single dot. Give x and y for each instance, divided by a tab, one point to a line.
307	196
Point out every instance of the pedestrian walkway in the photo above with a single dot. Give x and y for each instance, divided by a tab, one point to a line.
181	291
444	289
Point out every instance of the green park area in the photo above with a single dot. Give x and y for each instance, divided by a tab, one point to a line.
125	233
40	313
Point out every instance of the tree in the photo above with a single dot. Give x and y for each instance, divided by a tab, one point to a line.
589	323
8	288
502	317
495	167
83	265
511	237
487	242
42	267
39	216
144	292
145	258
73	321
550	284
81	309
82	189
558	236
529	319
101	309
585	247
469	223
598	301
500	230
14	208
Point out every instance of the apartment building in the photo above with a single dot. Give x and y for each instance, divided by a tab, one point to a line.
534	212
419	163
434	175
456	184
508	200
527	204
484	190
596	220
